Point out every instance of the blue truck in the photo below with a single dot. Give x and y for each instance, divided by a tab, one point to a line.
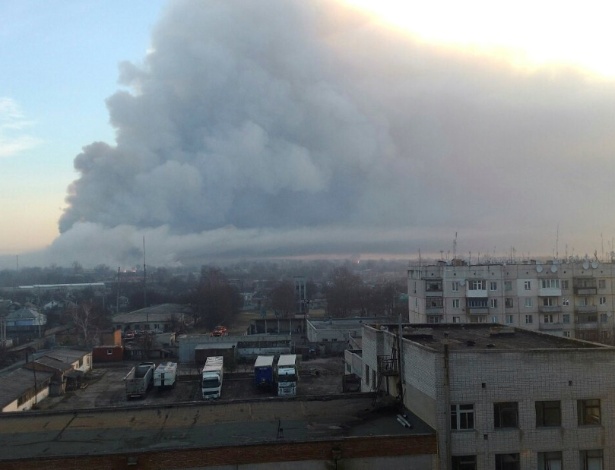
263	372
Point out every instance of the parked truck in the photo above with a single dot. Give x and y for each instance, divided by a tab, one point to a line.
286	375
139	380
263	372
211	380
165	375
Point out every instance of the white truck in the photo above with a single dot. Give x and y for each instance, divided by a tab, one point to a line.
165	375
286	375
211	377
139	380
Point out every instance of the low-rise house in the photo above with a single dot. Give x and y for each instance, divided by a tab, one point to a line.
159	318
26	321
22	389
110	348
64	377
79	360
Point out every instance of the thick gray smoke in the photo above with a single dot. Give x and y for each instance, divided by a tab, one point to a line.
292	127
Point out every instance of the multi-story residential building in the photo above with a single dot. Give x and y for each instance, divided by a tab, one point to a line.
570	299
499	397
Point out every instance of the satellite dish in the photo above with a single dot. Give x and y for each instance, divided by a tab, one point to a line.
553	269
585	264
538	268
594	264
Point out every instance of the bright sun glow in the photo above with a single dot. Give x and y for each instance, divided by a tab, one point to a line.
528	32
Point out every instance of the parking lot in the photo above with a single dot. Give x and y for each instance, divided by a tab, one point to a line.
104	386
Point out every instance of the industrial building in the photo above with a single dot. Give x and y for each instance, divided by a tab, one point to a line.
499	397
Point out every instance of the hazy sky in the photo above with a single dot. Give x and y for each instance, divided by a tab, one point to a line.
234	128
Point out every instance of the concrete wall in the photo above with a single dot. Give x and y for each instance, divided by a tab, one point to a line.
525	377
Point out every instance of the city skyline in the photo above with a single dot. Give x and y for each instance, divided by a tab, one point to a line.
218	130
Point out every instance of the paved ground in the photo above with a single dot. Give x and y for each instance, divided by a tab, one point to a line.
105	386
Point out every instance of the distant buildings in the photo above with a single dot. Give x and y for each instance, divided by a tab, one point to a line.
570	299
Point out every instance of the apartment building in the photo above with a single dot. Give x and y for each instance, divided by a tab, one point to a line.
570	299
499	397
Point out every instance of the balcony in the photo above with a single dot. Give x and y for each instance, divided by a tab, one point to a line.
477	293
388	365
550	326
549	292
585	291
550	308
586	309
586	325
434	310
477	310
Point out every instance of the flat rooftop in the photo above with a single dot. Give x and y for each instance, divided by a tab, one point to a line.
197	425
471	336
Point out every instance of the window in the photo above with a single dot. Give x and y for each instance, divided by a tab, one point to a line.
565	285
455	286
462	417
529	319
478	284
510	319
588	411
434	319
477	303
566	334
549	301
455	303
602	300
591	459
566	318
464	462
549	283
548	414
109	352
456	319
601	284
493	286
505	415
493	303
527	285
508	302
565	301
507	462
528	302
603	318
548	318
550	460
507	285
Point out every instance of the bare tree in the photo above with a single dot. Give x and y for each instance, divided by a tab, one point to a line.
283	300
88	321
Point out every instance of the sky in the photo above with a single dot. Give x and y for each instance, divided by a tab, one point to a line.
219	130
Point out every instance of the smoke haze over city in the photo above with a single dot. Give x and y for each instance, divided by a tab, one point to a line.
292	128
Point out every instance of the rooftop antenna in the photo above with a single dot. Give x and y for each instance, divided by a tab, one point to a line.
455	246
144	278
557	243
602	240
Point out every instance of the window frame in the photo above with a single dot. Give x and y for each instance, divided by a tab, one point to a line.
545	413
584	412
462	417
506	415
463	462
514	464
586	455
